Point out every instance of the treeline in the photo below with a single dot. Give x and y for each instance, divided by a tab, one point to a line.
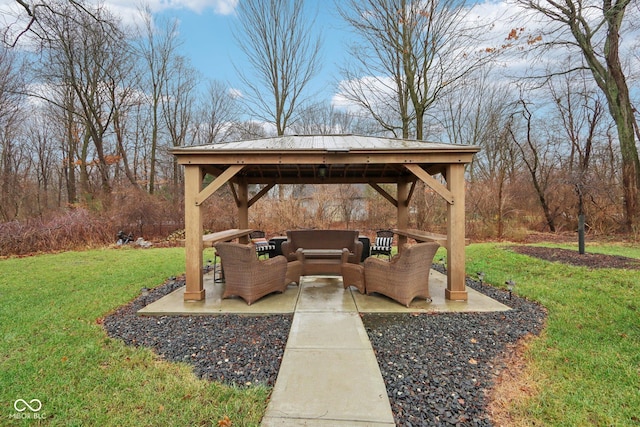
89	110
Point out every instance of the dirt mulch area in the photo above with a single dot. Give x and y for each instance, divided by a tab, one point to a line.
573	257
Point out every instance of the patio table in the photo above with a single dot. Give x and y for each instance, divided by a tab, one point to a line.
422	236
225	235
321	261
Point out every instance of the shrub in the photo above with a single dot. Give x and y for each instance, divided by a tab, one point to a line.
73	229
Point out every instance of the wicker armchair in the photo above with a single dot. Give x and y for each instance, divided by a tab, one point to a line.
247	276
403	278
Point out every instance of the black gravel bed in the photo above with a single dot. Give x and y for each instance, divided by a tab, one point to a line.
437	367
233	349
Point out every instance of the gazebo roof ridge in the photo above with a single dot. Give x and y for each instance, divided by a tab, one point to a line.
338	143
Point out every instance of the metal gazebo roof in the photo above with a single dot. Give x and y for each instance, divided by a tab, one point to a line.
325	158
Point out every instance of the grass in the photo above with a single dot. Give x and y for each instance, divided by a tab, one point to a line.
586	364
54	349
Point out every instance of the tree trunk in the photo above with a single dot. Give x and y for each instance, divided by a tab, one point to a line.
624	119
70	167
612	82
84	172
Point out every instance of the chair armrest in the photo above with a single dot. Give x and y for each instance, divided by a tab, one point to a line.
287	250
280	259
357	249
344	258
375	263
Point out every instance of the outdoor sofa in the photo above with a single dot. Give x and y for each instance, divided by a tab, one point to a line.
321	251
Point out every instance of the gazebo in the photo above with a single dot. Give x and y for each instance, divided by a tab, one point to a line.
326	159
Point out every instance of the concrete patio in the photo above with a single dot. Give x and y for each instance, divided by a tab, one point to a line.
321	291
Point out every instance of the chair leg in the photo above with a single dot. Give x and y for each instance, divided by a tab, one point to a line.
220	279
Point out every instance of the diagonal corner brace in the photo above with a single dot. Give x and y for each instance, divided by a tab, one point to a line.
431	182
220	180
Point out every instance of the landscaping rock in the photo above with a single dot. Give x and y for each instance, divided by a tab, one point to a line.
437	368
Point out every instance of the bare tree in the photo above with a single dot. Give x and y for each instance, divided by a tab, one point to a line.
540	159
482	115
284	56
218	112
349	198
41	150
178	108
11	110
122	89
580	113
157	49
83	58
68	134
27	14
375	81
415	50
325	119
595	30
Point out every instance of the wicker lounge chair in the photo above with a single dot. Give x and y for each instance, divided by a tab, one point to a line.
403	278
248	277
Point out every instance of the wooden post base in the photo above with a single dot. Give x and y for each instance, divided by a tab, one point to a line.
456	295
194	295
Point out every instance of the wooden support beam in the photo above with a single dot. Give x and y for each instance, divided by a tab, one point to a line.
411	190
243	208
234	193
261	193
403	210
443	191
384	194
217	183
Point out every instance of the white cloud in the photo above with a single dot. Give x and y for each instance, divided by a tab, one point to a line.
222	7
12	13
125	7
236	93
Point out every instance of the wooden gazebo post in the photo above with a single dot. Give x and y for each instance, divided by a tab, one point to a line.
193	233
456	286
243	203
403	208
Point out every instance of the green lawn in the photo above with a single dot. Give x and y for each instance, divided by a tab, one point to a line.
586	363
54	349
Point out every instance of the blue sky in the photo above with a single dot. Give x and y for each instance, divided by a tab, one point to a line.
208	42
205	28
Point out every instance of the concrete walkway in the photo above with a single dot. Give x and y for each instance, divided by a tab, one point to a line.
329	375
